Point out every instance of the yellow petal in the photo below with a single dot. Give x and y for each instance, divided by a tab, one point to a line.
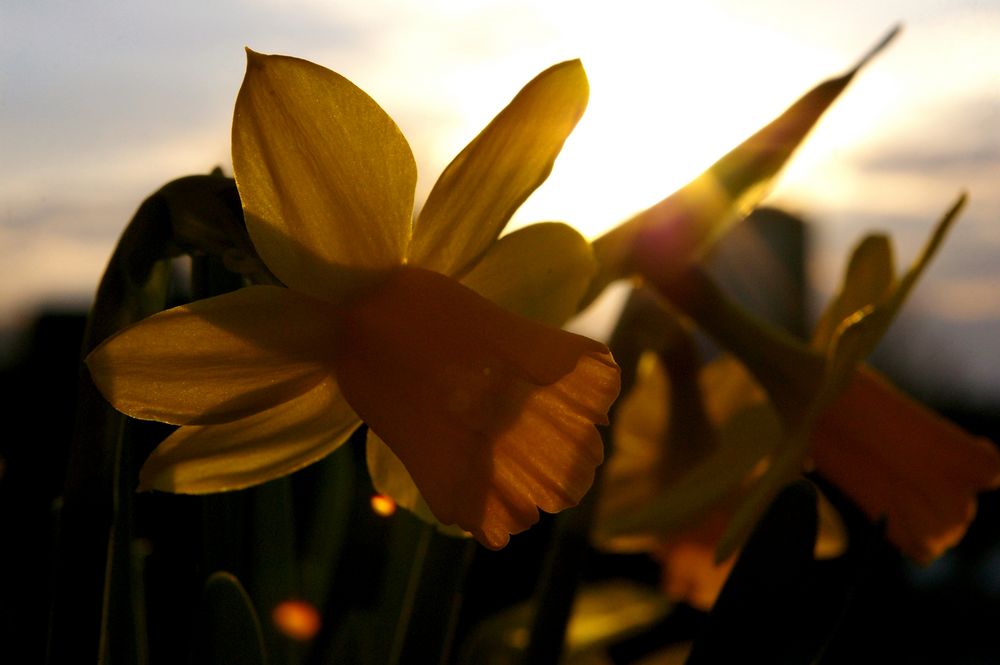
492	414
899	461
633	474
252	450
832	537
653	487
641	463
745	440
325	176
540	272
391	478
476	195
859	334
217	359
869	278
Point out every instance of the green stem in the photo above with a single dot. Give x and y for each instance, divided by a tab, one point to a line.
557	591
787	369
90	521
410	594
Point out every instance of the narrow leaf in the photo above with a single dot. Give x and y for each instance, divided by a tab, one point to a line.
666	238
229	631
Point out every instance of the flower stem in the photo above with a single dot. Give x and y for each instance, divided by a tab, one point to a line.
410	594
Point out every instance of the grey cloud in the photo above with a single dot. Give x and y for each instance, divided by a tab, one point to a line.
960	136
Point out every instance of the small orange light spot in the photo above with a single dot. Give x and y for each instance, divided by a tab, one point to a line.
383	505
297	619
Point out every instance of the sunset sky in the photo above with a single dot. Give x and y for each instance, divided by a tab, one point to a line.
103	102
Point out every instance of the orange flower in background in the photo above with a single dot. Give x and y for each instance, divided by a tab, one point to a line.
896	459
899	461
478	416
822	400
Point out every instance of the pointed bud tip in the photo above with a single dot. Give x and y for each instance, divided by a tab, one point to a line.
878	48
576	67
254	59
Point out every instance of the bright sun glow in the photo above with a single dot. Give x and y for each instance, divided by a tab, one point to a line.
672	89
674	93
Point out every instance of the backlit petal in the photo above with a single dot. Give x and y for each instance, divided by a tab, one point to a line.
859	334
869	279
252	450
635	473
325	176
898	460
492	414
746	441
476	195
540	271
218	359
650	489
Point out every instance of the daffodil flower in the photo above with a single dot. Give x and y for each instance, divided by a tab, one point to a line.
477	414
685	445
895	458
898	461
903	463
928	517
808	388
